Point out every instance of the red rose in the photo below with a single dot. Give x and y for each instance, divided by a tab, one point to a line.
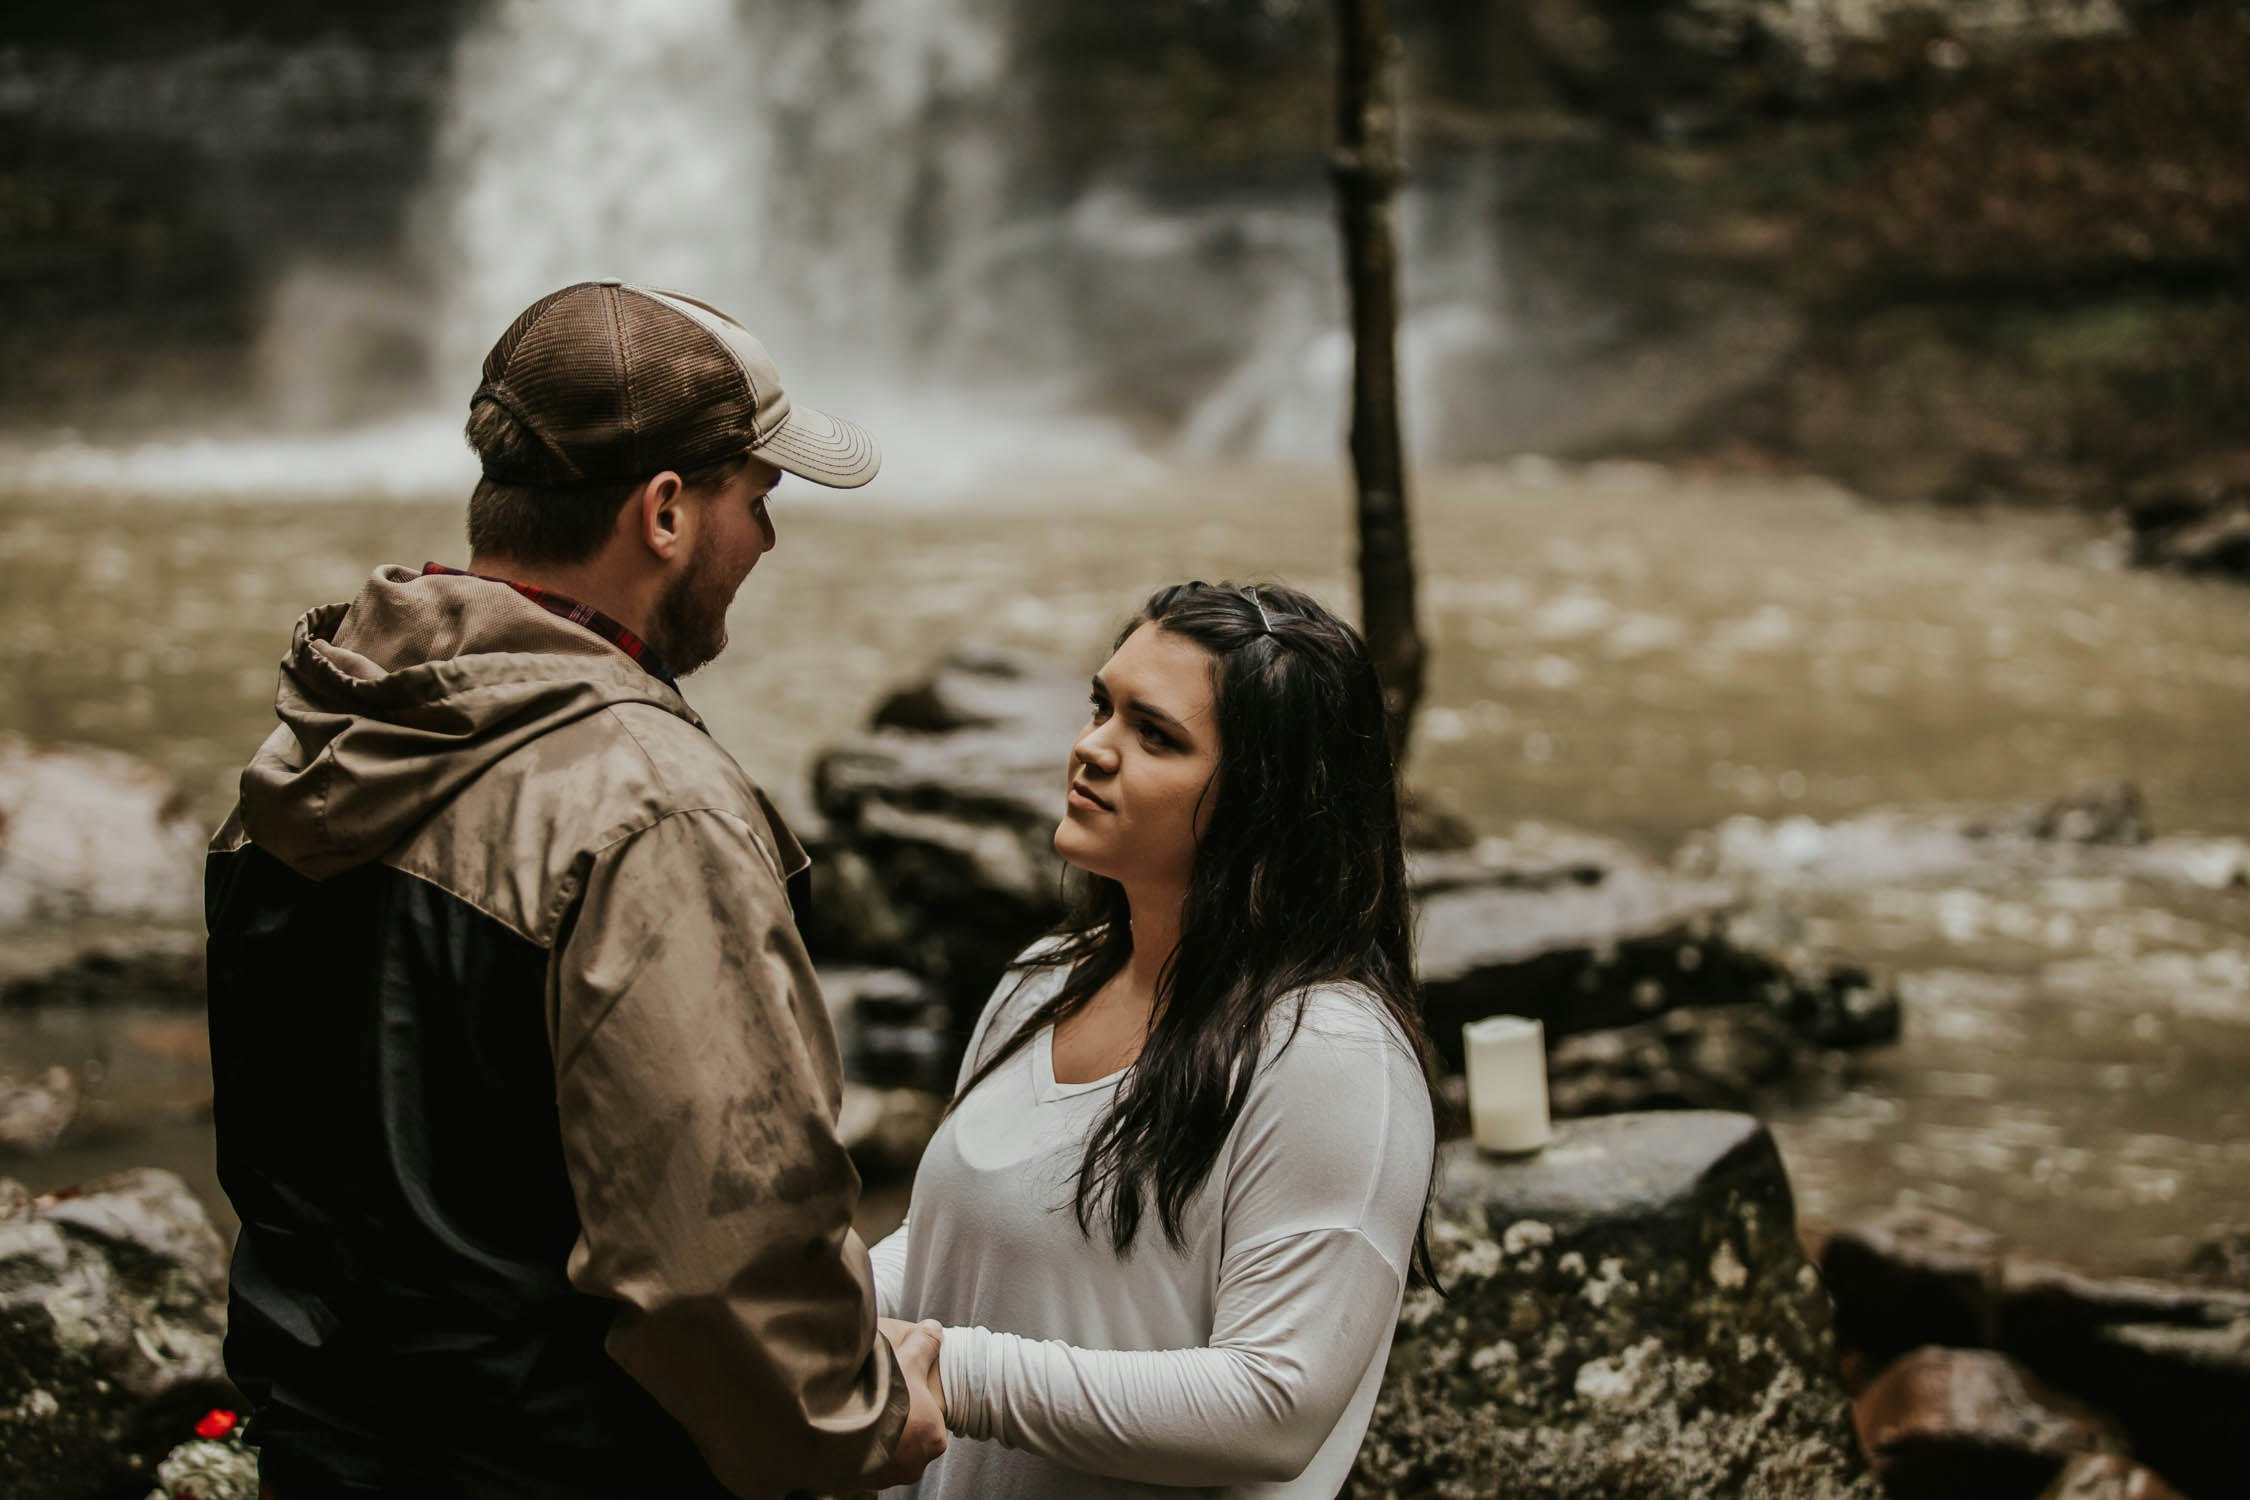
215	1425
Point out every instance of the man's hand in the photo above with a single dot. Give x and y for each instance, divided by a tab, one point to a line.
916	1345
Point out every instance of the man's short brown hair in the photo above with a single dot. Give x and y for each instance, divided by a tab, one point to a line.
534	523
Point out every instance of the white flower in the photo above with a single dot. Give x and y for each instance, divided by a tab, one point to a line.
201	1470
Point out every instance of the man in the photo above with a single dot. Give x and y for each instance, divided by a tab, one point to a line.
526	1095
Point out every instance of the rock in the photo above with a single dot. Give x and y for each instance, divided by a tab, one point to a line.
2044	1307
2194	518
2109	813
1701	1057
1969	1424
101	892
1585	936
2218	543
986	687
72	966
1910	1277
2107	1476
1628	1315
2171	1361
940	823
849	917
37	1114
1579	945
112	1308
885	1130
1423	826
1533	856
1828	1003
2223	1260
891	1028
93	834
1689	66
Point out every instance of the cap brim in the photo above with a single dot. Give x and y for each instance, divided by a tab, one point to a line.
824	449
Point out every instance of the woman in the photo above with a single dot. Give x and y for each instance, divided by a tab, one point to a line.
1172	1209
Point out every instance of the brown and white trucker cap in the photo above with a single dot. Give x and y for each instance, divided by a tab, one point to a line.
619	382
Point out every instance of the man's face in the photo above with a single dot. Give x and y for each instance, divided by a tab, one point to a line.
732	532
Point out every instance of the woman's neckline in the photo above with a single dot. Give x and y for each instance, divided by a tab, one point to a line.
1043	1054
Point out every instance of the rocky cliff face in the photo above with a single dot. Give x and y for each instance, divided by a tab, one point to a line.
1960	250
160	171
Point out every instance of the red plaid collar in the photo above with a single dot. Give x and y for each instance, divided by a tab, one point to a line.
578	614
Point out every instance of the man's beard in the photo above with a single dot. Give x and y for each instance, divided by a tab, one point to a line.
691	618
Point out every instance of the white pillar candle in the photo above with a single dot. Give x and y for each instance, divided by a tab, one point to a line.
1507	1058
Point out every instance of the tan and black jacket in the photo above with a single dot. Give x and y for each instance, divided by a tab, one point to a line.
525	1093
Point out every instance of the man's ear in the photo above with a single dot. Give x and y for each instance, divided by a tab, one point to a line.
660	516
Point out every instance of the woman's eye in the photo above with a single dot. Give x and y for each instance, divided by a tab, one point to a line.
1156	737
1101	708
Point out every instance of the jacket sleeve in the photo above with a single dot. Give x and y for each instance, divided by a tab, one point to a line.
697	1086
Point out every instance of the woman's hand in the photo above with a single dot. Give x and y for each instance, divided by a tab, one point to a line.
916	1345
897	1330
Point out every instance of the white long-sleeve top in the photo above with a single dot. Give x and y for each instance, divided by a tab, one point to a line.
1244	1362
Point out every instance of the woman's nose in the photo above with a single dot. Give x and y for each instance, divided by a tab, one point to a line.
1092	752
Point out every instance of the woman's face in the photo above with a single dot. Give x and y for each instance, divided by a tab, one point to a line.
1136	804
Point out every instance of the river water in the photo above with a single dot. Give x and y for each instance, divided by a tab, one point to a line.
1641	652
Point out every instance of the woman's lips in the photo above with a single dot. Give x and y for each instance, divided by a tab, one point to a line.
1080	797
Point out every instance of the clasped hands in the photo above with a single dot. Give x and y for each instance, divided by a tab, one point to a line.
916	1345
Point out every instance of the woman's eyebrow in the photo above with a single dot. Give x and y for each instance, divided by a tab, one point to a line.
1140	706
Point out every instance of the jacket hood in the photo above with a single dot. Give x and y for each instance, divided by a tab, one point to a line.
393	702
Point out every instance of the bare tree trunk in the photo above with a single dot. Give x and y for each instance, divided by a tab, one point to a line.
1367	172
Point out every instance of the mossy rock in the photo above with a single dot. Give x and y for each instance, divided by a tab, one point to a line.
1628	1317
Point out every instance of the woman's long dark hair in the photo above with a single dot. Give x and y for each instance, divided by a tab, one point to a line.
1299	879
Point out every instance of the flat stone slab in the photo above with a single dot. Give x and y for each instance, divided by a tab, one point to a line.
1584	935
1611	1172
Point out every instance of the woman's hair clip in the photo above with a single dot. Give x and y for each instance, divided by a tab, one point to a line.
1266	619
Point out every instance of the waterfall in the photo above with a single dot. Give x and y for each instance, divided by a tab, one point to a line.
830	174
791	163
